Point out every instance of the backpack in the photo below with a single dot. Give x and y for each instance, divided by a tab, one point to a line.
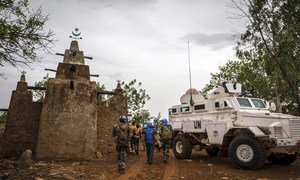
166	133
136	132
122	135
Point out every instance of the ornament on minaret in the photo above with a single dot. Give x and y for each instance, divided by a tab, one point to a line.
76	34
22	79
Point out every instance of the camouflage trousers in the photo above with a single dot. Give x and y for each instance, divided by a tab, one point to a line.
122	153
165	146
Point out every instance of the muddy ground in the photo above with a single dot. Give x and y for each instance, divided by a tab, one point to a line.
200	166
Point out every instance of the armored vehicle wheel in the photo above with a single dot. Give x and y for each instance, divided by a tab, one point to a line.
182	147
213	151
282	159
246	152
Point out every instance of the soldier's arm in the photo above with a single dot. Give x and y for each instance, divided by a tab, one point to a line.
114	132
128	134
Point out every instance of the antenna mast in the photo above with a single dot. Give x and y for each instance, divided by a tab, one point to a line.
190	75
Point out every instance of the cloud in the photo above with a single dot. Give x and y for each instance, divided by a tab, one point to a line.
117	76
130	3
214	41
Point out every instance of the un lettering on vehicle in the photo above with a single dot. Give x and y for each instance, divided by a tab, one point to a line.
193	126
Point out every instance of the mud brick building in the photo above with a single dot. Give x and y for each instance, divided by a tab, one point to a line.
21	129
68	124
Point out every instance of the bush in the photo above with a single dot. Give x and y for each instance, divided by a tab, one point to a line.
3	117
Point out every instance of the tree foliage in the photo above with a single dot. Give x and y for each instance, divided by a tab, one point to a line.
3	117
100	98
269	51
22	33
247	72
273	33
141	116
39	95
136	97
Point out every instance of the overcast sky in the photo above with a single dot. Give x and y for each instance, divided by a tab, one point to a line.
142	39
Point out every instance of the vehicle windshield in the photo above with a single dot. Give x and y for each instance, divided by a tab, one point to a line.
244	102
258	103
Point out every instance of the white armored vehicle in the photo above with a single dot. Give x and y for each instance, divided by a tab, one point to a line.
240	128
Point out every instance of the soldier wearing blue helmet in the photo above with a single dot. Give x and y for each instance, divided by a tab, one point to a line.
166	134
149	133
121	134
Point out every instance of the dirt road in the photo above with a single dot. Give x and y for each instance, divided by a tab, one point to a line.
200	166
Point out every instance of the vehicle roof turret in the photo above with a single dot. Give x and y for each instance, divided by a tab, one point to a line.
196	96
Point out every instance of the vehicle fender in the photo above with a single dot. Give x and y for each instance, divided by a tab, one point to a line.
230	135
257	132
216	132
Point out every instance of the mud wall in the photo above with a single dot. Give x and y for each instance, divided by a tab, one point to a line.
21	129
107	116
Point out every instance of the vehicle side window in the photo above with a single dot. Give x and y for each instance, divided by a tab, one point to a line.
217	104
174	110
244	102
199	107
258	103
185	109
225	104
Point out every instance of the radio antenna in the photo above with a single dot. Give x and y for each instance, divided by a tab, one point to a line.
190	75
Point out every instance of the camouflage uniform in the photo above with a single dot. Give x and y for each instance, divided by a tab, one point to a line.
165	144
121	148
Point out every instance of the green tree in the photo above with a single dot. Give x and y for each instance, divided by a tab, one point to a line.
136	97
22	33
39	95
273	34
101	98
3	117
249	73
141	116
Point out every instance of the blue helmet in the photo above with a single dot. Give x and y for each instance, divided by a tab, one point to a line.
165	121
122	118
149	124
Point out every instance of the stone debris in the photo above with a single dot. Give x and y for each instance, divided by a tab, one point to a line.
25	159
75	164
37	178
99	154
210	165
40	164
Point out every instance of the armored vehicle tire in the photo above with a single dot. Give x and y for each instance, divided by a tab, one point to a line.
282	159
213	151
182	147
246	152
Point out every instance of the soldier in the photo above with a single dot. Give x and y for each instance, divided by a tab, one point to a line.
150	132
121	134
166	133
